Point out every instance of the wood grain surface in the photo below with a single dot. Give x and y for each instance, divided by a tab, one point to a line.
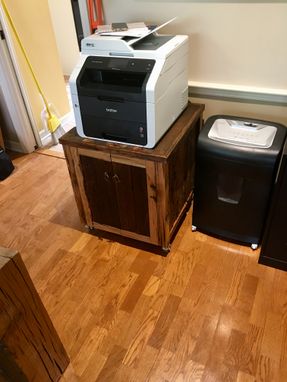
30	348
206	312
132	191
161	151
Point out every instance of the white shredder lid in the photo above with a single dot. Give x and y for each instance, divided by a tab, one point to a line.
242	133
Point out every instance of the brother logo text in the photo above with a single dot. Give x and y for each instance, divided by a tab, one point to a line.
111	110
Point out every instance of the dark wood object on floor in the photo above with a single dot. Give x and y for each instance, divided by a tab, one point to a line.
274	245
30	349
132	191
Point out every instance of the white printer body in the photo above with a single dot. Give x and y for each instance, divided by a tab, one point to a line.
130	92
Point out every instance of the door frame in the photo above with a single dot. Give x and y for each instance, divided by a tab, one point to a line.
14	96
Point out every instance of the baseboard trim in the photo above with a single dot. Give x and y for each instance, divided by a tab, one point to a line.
46	138
67	119
276	97
13	146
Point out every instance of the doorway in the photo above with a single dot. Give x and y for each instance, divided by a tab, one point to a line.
18	131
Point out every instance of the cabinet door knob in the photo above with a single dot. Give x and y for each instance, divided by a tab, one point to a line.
116	179
106	176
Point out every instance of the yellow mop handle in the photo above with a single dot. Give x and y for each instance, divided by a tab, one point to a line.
25	55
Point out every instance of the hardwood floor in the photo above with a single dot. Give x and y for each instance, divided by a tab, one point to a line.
206	312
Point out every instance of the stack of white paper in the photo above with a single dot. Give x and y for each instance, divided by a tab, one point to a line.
135	30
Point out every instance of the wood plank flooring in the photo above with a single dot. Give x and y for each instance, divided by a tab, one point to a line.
206	312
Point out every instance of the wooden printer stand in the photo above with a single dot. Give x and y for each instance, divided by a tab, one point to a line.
132	191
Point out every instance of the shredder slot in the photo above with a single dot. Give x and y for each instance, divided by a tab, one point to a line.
242	133
229	188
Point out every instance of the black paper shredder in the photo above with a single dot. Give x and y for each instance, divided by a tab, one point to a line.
236	164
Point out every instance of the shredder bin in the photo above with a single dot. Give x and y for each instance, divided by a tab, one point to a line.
236	165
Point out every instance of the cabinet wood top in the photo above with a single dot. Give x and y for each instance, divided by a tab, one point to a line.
162	150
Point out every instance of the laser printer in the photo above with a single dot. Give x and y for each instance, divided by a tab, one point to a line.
130	90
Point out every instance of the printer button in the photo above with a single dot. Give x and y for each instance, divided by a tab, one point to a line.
133	64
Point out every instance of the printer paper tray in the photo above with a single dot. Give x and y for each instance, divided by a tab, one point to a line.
115	130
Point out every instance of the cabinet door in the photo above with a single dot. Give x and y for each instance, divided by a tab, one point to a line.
116	191
100	190
132	196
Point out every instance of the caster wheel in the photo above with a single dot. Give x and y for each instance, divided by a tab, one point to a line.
254	246
193	228
166	249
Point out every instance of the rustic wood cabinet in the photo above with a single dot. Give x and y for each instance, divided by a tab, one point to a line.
30	348
132	191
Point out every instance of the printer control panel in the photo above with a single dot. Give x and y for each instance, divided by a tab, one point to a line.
121	63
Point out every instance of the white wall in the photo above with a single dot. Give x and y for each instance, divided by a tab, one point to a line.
33	23
65	33
239	43
233	44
